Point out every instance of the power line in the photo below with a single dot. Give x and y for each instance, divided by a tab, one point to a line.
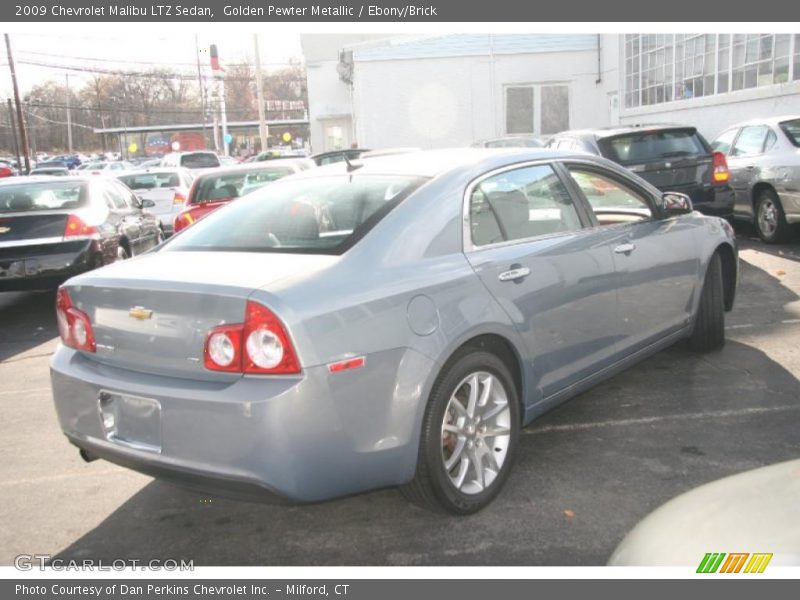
149	62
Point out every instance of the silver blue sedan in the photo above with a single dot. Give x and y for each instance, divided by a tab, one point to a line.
391	322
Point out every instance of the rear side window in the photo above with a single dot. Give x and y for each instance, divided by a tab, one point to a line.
792	131
750	141
521	204
227	186
39	196
645	146
200	160
318	215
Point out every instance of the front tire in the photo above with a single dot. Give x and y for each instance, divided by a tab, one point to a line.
770	219
469	435
709	326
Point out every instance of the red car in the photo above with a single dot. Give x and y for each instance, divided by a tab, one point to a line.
216	188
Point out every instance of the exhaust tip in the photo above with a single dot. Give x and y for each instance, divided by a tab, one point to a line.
86	456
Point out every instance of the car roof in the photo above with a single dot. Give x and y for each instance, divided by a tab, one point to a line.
614	130
763	121
154	169
45	178
432	163
253	166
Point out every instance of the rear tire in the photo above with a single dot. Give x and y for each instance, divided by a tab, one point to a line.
770	220
709	325
459	432
122	253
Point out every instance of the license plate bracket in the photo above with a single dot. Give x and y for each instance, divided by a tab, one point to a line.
132	421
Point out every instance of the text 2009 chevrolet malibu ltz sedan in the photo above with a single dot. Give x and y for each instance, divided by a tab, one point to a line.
389	323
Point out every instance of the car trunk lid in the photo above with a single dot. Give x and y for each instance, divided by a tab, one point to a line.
39	227
152	314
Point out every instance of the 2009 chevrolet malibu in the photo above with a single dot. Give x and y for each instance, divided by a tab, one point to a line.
387	323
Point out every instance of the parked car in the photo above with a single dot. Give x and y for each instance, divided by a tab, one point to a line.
52	171
334	156
764	160
52	228
510	141
752	517
162	191
394	324
671	157
198	159
216	188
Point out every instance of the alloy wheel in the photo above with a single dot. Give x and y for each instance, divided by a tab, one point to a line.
767	217
476	432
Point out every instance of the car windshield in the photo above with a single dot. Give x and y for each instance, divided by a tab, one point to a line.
646	146
95	166
149	181
317	215
792	130
42	195
227	186
199	160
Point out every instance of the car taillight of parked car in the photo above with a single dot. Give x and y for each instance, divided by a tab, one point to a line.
74	326
178	198
721	174
259	346
182	221
76	228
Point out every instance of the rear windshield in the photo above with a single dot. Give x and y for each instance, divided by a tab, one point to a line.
149	181
199	160
319	215
640	147
227	186
792	131
514	143
42	195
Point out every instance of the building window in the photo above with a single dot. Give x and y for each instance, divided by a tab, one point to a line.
519	109
537	109
661	68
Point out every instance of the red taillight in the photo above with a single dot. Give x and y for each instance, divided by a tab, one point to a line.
259	346
182	221
178	198
721	173
73	324
76	228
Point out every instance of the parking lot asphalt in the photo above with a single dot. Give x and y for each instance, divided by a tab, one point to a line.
586	472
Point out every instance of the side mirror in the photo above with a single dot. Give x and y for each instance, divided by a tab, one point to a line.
676	204
147	203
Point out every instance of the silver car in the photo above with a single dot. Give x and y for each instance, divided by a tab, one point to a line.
388	322
162	191
764	162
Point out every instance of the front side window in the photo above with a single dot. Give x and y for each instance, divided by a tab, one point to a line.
521	204
611	201
750	141
316	215
724	142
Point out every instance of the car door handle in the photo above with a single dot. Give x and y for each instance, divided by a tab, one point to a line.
624	248
514	274
750	167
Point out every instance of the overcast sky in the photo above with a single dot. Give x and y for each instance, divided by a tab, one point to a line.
111	50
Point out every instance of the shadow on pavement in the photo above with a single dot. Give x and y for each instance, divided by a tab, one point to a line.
27	319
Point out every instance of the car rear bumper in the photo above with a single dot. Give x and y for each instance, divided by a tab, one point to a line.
43	267
303	438
715	201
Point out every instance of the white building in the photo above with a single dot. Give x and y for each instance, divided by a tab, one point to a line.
451	90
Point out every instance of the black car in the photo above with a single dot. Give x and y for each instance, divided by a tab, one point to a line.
52	228
335	156
674	158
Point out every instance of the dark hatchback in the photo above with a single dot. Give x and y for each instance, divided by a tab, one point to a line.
674	158
52	228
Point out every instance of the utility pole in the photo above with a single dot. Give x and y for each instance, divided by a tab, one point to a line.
200	82
22	135
14	134
262	118
69	119
220	86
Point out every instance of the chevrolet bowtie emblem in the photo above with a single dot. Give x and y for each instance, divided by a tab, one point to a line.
4	229
140	313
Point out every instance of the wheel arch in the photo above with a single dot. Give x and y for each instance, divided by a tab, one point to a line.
757	190
730	273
